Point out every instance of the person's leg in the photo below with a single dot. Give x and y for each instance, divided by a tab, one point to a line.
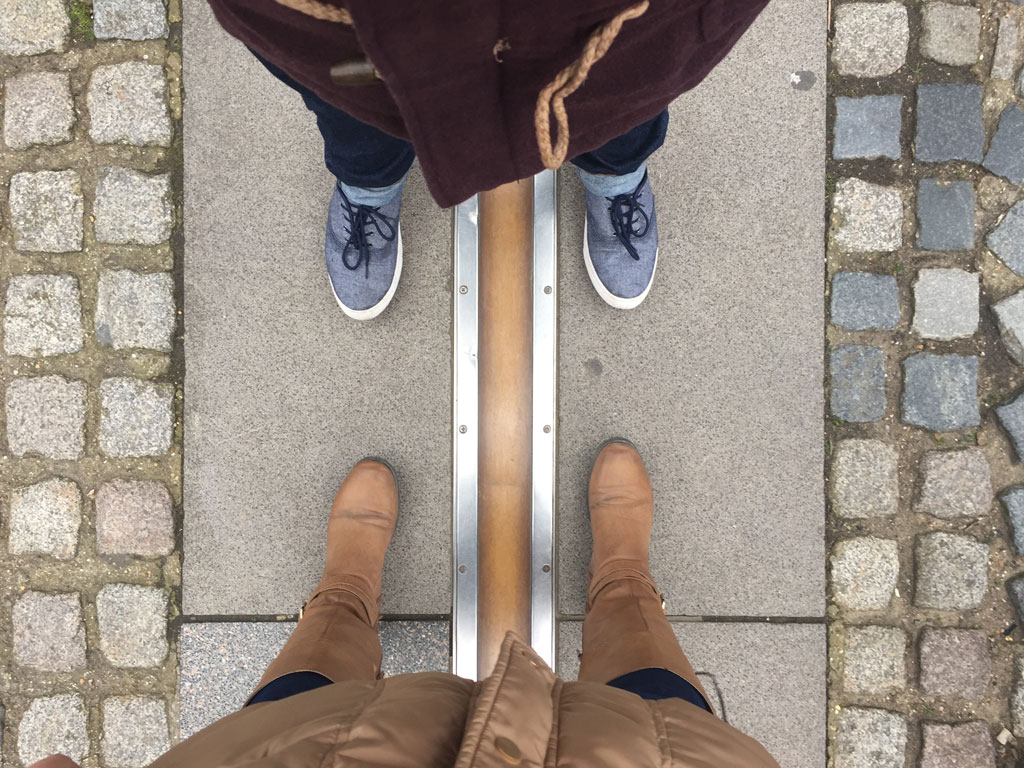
654	683
362	219
336	636
625	630
618	166
620	245
289	685
367	162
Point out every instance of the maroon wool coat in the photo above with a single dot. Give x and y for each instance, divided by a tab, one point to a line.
470	116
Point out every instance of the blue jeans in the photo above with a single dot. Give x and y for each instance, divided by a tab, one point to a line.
651	684
360	155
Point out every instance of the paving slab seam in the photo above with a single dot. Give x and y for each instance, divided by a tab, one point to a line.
725	619
926	589
230	617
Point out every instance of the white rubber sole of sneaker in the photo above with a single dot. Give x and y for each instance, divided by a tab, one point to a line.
371	312
610	298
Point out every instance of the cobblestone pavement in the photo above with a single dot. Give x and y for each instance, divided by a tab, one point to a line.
926	344
91	370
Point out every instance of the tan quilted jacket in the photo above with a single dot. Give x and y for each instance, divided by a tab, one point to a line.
521	715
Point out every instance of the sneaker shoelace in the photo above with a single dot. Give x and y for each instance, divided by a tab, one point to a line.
629	219
363	221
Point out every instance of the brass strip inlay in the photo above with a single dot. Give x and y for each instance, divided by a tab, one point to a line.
504	488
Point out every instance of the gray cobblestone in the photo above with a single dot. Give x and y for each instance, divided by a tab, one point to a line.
48	632
955	484
129	19
1006	241
858	382
136	417
949	123
867	217
1013	500
871	38
134	517
1010	317
45	519
46	211
945	215
1004	62
43	316
952	746
28	27
940	392
133	625
1015	589
864	572
952	572
38	109
950	34
135	310
873	661
955	662
46	415
862	301
133	207
946	304
1011	416
864	479
127	103
1005	155
135	731
870	738
53	725
867	127
1017	701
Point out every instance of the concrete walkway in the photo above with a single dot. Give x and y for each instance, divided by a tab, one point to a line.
717	378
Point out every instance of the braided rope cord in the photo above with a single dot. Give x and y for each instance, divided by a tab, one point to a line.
318	10
552	97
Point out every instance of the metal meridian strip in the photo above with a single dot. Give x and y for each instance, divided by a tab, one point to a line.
505	396
545	341
538	421
466	435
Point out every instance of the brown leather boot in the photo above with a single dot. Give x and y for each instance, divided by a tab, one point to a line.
625	629
337	631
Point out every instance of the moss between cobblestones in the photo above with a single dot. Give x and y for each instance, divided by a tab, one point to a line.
81	21
88	571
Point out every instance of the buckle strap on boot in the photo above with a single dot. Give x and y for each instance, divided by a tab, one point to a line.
624	572
369	605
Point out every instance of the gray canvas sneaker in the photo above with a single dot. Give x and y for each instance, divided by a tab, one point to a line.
363	249
620	245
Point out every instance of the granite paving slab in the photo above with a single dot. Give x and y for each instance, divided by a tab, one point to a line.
770	678
283	392
717	375
221	662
